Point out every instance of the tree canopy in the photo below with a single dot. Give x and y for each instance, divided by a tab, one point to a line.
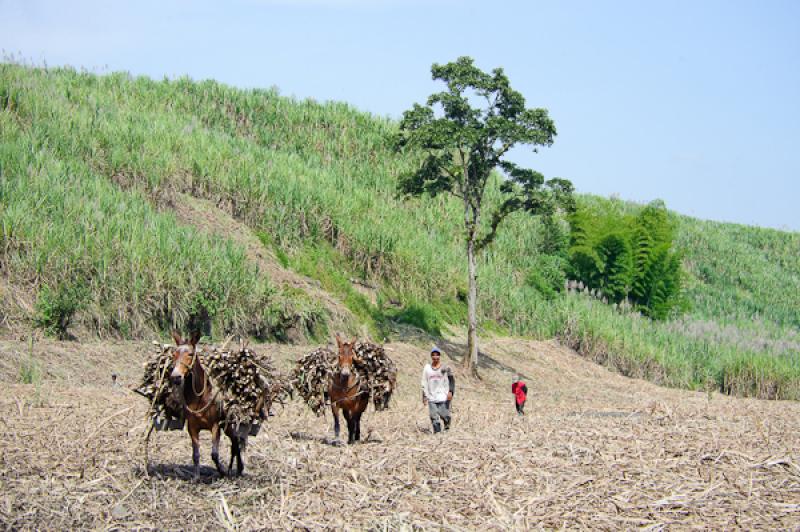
464	133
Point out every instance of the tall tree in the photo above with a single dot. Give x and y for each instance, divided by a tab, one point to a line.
464	133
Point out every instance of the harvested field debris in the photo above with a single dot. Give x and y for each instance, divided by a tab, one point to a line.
595	450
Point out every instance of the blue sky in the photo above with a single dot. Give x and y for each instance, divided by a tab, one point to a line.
693	102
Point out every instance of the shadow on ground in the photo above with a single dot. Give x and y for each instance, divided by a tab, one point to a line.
326	440
456	352
181	472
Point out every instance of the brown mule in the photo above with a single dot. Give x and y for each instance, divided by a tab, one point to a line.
345	393
202	410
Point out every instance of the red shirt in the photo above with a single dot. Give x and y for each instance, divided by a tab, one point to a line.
520	391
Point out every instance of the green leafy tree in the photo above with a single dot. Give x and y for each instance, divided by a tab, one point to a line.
586	265
617	267
652	231
628	257
580	227
465	132
643	246
555	237
662	282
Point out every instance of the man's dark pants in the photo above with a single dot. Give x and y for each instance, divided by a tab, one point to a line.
437	411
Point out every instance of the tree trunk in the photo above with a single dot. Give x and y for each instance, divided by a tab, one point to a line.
472	217
471	358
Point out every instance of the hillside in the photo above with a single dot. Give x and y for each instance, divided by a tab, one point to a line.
130	206
595	450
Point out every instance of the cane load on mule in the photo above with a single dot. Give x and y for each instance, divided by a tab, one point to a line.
213	389
347	379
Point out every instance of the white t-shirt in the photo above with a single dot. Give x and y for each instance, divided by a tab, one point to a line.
435	385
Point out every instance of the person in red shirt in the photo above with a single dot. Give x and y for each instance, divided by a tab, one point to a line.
520	392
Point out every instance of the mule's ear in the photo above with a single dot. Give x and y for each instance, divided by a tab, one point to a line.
338	340
177	337
353	341
195	338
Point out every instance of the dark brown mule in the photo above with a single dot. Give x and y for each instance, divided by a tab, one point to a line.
200	405
345	393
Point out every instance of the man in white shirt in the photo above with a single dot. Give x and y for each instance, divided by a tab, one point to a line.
438	385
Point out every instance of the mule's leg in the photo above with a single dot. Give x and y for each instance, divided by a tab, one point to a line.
351	430
215	434
240	446
234	452
335	410
357	423
194	434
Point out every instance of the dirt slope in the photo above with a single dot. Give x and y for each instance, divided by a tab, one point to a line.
206	217
596	450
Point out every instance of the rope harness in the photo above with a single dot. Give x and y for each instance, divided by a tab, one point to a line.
347	390
199	395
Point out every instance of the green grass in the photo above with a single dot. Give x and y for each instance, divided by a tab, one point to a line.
30	372
89	164
88	245
641	348
740	273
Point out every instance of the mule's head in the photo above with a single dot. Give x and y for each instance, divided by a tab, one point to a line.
183	356
346	357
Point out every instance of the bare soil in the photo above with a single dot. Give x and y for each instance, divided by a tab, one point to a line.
594	450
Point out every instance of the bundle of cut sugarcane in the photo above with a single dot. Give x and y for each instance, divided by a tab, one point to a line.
165	398
247	383
378	372
311	376
279	385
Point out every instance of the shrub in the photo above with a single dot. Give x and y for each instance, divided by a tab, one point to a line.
55	307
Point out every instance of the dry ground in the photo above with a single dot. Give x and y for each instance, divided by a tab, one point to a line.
595	450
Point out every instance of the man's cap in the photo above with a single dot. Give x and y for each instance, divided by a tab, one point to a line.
435	350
